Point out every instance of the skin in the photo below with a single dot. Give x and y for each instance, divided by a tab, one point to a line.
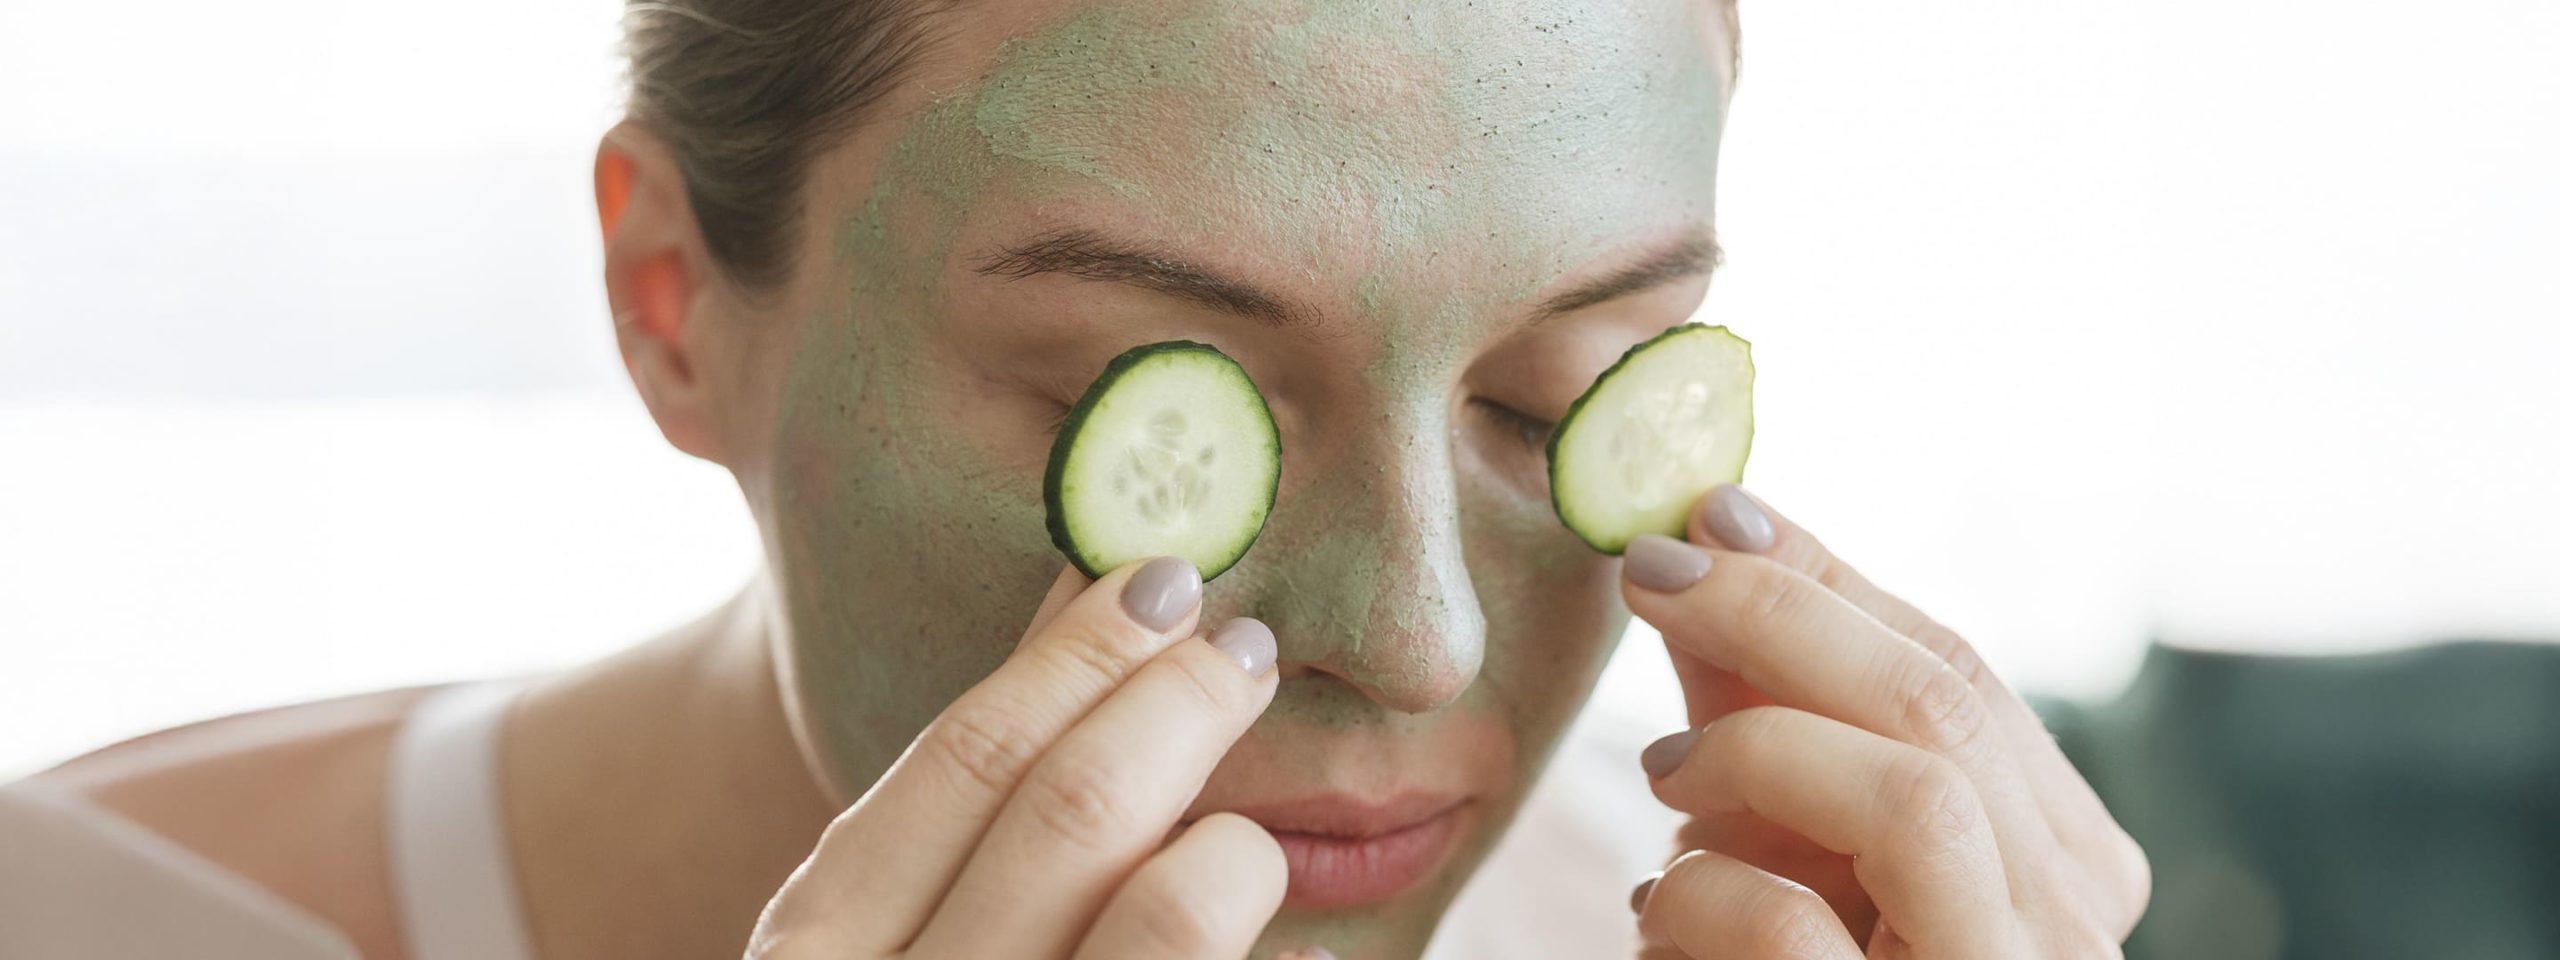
1411	185
1860	787
1858	782
920	393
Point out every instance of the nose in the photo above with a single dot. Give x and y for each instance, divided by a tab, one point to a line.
1370	583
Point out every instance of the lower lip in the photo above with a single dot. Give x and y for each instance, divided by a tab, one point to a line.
1336	872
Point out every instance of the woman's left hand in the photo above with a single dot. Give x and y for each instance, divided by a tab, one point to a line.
1860	785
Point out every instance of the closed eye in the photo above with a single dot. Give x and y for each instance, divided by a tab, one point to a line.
1528	431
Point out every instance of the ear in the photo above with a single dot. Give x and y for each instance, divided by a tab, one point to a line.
657	274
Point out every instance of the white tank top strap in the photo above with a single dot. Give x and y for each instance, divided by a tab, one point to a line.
450	870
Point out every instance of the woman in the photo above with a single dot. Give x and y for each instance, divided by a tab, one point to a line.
865	254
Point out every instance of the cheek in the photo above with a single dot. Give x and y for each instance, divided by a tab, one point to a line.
1551	606
909	556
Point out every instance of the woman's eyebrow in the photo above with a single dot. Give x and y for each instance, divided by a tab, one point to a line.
1088	255
1691	255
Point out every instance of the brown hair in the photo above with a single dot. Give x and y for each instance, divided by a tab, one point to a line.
748	92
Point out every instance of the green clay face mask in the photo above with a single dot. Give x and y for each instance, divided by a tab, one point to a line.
1416	174
1370	137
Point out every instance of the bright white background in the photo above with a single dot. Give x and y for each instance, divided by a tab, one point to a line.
2078	322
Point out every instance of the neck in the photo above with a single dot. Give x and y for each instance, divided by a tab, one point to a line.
655	800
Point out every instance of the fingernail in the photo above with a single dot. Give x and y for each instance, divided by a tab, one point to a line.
1161	593
1249	642
1738	520
1310	953
1664	565
1665	755
1644	892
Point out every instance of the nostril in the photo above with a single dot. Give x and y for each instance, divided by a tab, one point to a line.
1301	670
1418	678
1326	668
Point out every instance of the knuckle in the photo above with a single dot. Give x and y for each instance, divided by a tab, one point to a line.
1946	645
1172	922
1787	921
1732	749
1942	712
1075	802
1933	807
1805	554
1179	915
983	745
1209	679
1104	655
1744	738
2133	874
1776	600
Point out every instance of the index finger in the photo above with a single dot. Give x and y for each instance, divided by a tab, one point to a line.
1731	516
1804	646
1103	799
897	850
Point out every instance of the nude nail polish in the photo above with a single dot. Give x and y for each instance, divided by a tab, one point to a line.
1249	642
1663	757
1161	593
1665	565
1738	520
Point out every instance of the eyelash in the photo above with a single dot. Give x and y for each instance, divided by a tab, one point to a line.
1529	431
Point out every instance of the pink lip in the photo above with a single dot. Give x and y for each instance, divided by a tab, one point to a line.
1344	852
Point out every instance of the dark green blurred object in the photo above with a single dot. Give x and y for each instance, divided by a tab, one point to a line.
2396	806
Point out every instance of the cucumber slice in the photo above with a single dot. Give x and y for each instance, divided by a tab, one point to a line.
1171	452
1668	422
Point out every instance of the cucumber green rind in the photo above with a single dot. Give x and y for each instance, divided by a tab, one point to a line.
1560	492
1056	486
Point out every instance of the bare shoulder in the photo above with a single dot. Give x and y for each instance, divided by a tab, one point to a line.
290	798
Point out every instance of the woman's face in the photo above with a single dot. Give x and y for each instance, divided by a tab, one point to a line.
1422	227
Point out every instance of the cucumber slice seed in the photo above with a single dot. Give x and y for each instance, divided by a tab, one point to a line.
1171	452
1668	422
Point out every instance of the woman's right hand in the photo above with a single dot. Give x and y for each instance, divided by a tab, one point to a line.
1031	818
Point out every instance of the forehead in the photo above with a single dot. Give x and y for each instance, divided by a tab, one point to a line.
1336	135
